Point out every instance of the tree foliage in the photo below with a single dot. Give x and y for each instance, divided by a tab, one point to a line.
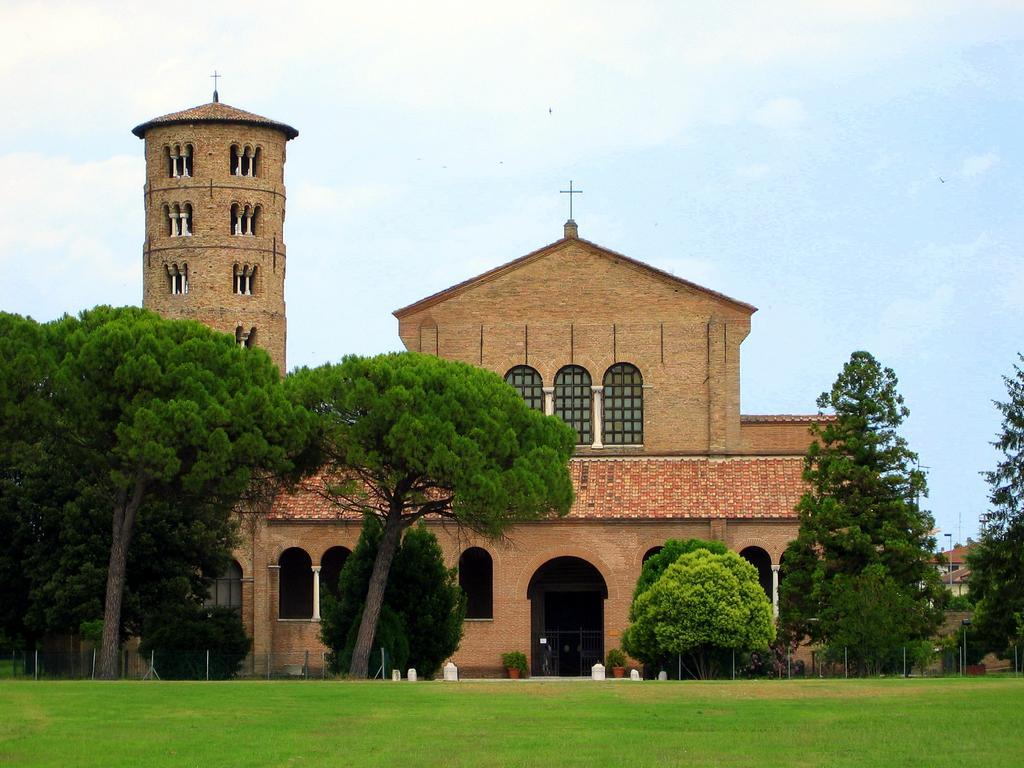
403	436
424	607
703	604
997	560
861	512
180	635
147	429
659	562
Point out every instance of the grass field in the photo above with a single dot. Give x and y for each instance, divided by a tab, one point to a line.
949	722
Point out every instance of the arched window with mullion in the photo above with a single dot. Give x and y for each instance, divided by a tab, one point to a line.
623	418
573	402
529	384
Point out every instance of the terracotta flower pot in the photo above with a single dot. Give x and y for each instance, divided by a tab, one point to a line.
618	671
513	673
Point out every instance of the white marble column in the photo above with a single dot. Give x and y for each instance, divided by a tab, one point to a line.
597	420
316	593
549	401
775	591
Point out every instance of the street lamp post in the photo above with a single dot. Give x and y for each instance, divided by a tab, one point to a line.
965	623
949	564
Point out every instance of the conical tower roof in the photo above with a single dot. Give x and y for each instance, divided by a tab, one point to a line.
214	112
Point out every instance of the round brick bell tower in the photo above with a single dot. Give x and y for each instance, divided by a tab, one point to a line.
215	206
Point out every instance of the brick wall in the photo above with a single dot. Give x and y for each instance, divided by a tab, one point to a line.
212	250
616	549
578	304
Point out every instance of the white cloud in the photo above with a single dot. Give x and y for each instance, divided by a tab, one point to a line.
976	165
908	321
753	171
339	201
78	225
780	114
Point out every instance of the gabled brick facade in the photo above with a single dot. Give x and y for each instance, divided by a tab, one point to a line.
702	470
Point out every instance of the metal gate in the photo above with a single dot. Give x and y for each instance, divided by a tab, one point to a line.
567	653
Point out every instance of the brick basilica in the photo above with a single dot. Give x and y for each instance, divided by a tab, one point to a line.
644	365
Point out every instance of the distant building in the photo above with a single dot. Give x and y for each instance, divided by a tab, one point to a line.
956	574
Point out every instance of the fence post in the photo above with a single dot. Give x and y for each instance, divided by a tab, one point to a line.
305	665
268	665
789	665
846	662
323	665
904	661
207	665
94	663
733	663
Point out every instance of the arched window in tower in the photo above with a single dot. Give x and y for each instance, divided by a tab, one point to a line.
179	160
243	219
573	402
623	421
243	160
245	338
244	279
256	213
177	275
529	384
179	219
476	577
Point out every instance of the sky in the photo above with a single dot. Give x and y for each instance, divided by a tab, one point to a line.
853	169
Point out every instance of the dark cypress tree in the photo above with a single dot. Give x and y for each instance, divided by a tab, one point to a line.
862	531
997	562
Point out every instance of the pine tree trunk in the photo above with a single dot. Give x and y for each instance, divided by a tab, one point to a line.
121	536
360	667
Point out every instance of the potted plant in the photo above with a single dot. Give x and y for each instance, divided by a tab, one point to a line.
616	660
515	664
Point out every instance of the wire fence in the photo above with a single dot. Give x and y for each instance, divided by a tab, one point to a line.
312	665
166	665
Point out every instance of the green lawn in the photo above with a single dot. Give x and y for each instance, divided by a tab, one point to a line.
944	722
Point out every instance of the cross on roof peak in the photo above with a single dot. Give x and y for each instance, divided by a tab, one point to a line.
216	96
570	192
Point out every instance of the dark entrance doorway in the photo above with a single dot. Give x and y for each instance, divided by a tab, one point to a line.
567	597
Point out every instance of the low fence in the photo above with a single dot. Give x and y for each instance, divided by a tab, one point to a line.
205	665
165	665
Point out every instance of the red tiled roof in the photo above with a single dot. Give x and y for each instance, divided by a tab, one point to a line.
786	418
660	488
214	112
644	489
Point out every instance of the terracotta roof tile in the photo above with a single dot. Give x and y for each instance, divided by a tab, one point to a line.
786	418
645	489
214	112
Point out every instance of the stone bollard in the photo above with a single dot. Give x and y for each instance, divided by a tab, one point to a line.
451	672
597	671
396	674
634	674
412	675
663	675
